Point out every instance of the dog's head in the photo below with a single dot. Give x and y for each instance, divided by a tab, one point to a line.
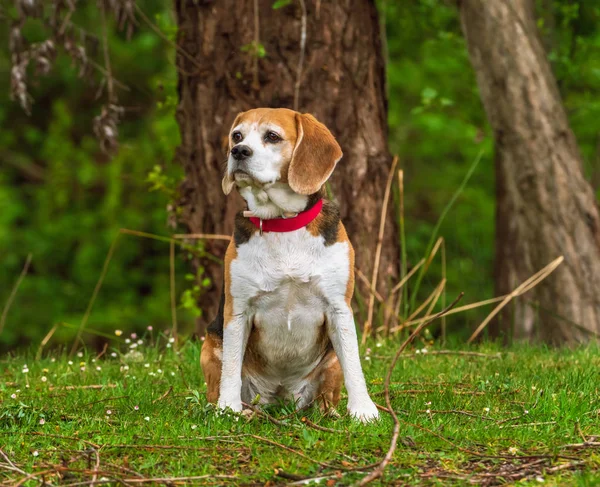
269	145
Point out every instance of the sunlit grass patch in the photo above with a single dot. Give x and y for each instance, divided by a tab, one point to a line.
484	415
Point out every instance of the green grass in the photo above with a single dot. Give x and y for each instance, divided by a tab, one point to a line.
529	401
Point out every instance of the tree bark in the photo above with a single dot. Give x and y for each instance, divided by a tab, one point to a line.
545	207
342	81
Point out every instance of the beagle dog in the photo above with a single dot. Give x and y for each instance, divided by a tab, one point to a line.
285	327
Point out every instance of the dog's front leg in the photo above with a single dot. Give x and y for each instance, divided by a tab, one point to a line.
342	333
235	339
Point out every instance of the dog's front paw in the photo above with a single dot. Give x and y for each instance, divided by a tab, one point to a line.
364	411
234	405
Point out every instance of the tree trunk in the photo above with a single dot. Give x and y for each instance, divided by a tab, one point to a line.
545	207
224	70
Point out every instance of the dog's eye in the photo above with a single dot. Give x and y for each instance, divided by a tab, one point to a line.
236	136
272	137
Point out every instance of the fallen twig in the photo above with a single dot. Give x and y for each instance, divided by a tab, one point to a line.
530	424
525	412
454	352
96	466
296	452
106	399
11	466
169	390
378	471
456	411
578	446
88	386
309	423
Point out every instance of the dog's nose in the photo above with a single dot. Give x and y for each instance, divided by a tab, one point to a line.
241	152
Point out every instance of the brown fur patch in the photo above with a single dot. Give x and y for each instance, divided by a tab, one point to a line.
329	376
282	117
327	223
230	256
254	363
315	155
343	237
211	366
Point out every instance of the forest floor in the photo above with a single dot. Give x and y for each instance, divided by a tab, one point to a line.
482	416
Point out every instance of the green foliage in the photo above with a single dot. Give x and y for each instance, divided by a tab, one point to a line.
256	49
64	201
150	416
280	4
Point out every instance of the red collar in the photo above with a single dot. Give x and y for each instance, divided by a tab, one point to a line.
289	224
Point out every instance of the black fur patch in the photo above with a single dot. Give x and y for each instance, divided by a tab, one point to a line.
329	222
244	229
216	327
314	198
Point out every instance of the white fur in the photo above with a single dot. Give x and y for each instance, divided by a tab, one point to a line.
272	201
267	158
288	285
265	194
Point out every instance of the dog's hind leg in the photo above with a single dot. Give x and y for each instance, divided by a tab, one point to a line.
323	384
211	362
330	385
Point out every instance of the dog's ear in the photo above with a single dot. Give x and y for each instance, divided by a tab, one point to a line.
228	182
314	157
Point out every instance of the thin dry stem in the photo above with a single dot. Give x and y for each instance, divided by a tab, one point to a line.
433	253
160	33
94	294
205	236
440	289
529	283
301	58
45	341
360	274
466	307
172	289
398	286
443	320
432	297
109	78
13	293
382	220
255	82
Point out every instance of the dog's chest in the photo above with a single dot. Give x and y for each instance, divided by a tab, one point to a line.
283	283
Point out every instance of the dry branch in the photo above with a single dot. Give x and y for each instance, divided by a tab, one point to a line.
528	284
378	471
369	323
